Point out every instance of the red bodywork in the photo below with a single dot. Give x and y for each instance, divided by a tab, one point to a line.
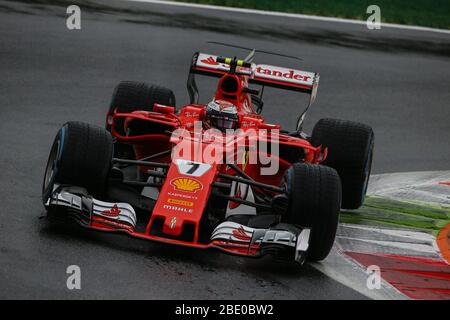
183	198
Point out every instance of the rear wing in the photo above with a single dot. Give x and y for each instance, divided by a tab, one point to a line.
259	74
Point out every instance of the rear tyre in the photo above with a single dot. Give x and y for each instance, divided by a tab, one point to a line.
131	96
350	151
80	156
314	199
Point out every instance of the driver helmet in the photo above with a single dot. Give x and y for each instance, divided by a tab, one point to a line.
221	115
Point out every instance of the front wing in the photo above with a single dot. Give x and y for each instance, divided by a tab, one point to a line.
76	204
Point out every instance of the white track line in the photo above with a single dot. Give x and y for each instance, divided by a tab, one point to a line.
289	15
353	275
408	234
409	247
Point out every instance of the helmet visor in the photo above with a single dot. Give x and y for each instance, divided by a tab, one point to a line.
222	122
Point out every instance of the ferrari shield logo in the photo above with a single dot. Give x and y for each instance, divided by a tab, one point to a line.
173	222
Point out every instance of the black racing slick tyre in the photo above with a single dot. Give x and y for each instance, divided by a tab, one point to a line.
80	156
314	200
350	151
132	96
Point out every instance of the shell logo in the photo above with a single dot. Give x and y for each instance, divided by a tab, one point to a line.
186	184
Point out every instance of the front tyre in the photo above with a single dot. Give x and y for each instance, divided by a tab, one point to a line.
81	156
314	200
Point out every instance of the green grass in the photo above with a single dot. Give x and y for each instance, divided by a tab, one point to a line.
407	214
430	13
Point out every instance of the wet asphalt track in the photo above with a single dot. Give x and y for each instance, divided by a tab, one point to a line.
397	81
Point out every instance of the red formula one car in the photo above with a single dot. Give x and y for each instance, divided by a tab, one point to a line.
212	175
